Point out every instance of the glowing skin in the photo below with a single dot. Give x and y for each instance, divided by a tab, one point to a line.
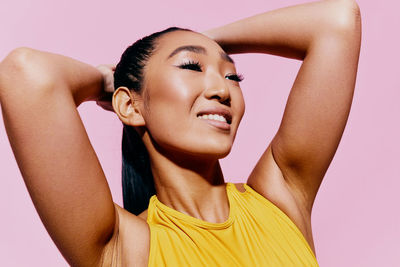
175	96
184	149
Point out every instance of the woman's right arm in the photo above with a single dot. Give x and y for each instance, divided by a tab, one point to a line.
39	93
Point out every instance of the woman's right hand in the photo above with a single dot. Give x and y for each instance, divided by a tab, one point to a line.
105	99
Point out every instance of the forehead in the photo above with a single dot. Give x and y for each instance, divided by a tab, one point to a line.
173	40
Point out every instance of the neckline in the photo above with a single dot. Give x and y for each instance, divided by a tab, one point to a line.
198	222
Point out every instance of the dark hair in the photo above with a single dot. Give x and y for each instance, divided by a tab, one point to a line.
137	179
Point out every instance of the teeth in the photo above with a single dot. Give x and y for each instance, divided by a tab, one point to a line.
213	117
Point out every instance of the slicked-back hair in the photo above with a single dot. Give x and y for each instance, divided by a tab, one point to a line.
137	179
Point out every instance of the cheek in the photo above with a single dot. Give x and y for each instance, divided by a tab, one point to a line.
173	92
169	106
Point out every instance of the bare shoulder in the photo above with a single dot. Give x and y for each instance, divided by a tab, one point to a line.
143	215
240	187
130	244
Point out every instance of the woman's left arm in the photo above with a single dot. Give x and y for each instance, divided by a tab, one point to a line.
326	35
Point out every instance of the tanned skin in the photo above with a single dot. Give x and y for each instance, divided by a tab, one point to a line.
39	93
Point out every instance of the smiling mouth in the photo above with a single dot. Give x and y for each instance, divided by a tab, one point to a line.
223	117
215	117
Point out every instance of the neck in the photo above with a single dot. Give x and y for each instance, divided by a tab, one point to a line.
191	185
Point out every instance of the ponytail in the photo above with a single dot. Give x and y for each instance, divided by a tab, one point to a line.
137	179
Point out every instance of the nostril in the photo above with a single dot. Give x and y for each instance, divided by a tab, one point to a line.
224	101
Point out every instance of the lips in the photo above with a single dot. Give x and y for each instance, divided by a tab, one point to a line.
218	124
217	111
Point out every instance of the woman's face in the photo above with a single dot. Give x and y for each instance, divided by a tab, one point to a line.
193	102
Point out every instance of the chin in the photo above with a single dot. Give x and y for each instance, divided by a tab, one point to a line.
198	148
215	152
223	155
218	149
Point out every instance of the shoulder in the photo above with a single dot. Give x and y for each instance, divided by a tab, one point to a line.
240	187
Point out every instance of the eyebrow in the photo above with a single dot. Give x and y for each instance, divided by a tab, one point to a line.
199	50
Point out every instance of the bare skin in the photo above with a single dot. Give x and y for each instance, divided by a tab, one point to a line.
39	93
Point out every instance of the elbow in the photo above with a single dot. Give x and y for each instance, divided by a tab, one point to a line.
346	18
18	62
23	68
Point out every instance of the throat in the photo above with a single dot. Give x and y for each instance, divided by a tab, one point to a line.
210	205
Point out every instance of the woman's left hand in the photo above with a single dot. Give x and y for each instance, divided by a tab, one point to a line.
105	99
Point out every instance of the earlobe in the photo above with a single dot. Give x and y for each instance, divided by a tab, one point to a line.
127	108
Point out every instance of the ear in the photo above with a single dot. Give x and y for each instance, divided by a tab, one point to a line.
127	108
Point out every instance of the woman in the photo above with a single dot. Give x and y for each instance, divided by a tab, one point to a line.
181	98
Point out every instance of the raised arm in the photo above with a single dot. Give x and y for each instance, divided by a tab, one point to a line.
39	93
326	36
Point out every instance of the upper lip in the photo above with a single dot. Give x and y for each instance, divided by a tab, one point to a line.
217	110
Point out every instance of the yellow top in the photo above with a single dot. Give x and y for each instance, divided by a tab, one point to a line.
257	233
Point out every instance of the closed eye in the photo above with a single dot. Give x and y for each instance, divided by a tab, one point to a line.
191	65
235	77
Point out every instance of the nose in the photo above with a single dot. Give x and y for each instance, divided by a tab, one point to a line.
217	88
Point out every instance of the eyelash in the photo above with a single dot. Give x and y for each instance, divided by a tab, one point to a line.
191	65
196	66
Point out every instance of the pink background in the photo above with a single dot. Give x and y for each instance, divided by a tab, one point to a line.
356	218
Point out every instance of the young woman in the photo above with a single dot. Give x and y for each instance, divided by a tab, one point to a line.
178	96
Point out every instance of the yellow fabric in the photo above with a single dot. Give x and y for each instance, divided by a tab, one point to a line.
257	233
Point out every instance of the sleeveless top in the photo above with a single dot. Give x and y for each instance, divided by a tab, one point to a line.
257	233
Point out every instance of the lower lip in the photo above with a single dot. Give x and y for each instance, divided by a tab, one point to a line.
218	124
